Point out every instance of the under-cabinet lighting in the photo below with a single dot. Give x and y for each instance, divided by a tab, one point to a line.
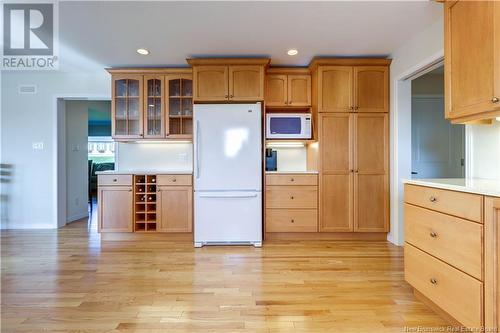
142	51
292	52
159	141
285	144
497	118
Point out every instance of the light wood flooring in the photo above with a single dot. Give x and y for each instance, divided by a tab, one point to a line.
68	280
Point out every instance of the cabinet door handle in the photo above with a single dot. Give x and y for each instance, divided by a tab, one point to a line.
355	108
495	99
231	96
433	199
226	96
433	281
130	190
158	190
292	220
433	234
291	197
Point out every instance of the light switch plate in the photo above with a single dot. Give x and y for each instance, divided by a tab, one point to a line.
37	145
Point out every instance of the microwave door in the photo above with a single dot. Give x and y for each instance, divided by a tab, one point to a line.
285	127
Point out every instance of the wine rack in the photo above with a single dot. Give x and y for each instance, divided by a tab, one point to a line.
145	195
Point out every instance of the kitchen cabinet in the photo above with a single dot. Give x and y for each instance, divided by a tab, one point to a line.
291	203
371	89
285	89
336	172
351	85
115	196
451	252
371	170
491	262
175	208
354	193
179	105
127	106
472	60
154	108
152	103
227	80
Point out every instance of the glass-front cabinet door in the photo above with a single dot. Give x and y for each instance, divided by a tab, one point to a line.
154	119
179	105
127	106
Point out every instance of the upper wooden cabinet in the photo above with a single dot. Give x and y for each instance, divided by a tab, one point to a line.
288	87
350	85
126	107
472	60
151	103
228	79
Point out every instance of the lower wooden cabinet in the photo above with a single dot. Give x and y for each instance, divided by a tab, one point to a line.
175	206
115	211
452	249
145	203
291	203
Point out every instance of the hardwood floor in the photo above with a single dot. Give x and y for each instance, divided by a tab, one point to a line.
70	281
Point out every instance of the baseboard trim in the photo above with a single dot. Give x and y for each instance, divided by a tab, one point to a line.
160	236
366	236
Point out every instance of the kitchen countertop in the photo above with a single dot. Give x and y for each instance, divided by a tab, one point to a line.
291	172
470	185
144	172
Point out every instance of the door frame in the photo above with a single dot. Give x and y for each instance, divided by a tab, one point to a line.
400	140
59	144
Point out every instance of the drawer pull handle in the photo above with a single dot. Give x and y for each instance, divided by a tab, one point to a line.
433	199
433	234
115	180
293	221
174	180
433	281
291	197
292	180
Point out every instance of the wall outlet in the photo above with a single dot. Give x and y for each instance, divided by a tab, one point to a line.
37	145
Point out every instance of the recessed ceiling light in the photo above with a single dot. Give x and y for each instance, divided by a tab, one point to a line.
292	52
143	51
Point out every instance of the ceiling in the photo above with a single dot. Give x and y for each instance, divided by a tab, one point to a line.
101	34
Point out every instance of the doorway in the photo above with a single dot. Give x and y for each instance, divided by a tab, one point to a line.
84	146
437	145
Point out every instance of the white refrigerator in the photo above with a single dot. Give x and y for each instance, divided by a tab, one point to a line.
227	174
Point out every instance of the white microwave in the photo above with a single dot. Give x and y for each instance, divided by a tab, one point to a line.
288	126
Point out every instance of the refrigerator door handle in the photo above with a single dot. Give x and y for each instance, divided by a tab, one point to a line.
197	149
223	195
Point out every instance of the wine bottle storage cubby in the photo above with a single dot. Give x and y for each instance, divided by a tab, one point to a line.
145	217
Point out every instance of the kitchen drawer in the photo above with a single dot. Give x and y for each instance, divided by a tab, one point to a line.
453	291
181	180
292	197
291	220
291	179
451	239
466	205
105	180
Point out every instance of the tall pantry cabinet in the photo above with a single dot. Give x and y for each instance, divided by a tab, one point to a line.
351	100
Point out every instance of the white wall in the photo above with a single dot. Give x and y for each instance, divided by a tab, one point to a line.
484	150
154	157
76	160
32	118
420	50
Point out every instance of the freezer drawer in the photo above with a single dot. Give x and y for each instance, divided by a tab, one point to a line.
227	218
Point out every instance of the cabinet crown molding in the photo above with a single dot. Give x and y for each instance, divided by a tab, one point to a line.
331	61
228	61
289	70
150	70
